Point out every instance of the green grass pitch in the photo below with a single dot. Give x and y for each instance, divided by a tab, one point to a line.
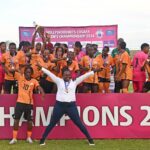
112	144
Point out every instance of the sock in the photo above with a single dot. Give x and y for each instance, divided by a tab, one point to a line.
15	133
29	133
124	90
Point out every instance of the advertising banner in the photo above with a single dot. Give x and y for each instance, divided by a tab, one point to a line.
100	35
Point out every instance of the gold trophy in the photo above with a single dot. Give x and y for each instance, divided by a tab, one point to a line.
39	29
36	25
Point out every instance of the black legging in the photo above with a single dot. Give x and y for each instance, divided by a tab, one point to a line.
70	109
118	86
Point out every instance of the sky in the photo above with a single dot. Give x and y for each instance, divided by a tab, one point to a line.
131	16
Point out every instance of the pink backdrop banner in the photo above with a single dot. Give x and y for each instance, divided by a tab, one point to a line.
104	115
101	35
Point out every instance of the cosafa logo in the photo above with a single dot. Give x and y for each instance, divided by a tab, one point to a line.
26	34
99	33
110	32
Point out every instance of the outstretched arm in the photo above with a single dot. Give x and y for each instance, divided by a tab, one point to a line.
51	75
44	42
83	77
33	39
47	72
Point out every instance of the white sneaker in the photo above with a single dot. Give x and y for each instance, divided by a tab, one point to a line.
29	140
91	142
13	141
42	142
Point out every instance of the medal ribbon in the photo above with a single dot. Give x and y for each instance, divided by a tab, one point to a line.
66	86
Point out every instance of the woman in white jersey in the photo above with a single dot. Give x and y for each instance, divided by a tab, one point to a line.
66	101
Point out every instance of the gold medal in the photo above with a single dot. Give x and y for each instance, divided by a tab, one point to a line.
12	67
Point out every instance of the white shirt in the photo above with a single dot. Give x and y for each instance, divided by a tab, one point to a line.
66	94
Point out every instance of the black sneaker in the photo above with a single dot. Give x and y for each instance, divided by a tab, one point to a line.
42	142
91	142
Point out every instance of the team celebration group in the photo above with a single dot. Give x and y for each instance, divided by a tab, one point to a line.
47	68
55	58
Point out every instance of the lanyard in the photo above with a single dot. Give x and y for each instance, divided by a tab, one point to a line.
90	62
105	60
26	58
12	62
66	86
